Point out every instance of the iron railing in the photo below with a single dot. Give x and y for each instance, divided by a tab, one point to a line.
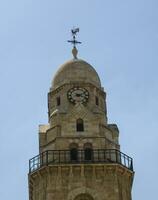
55	157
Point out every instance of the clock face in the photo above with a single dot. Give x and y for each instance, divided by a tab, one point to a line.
78	94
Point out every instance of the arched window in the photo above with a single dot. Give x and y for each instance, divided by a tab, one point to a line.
88	152
84	197
73	152
58	101
79	125
97	101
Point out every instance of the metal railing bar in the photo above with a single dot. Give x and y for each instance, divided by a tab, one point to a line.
64	156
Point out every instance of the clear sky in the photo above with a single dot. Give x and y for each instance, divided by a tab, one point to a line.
119	38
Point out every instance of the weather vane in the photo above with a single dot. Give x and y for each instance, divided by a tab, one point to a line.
74	32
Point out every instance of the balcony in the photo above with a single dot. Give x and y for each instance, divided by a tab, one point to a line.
74	156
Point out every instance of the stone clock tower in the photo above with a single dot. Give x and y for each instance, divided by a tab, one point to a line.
79	152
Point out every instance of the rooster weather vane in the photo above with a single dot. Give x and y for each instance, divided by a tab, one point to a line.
74	32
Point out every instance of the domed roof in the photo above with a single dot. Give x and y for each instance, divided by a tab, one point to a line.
76	70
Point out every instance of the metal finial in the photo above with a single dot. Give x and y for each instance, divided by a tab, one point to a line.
74	52
74	41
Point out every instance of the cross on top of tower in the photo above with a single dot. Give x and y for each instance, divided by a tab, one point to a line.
74	32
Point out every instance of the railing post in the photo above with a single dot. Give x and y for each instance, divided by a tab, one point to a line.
116	156
59	156
29	166
41	159
82	160
131	166
46	157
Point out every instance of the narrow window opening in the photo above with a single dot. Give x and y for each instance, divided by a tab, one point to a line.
58	101
73	154
79	125
97	101
88	153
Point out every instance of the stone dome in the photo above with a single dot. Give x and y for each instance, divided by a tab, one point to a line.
76	70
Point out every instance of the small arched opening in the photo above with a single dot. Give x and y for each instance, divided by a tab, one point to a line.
79	125
88	152
97	101
73	152
84	197
58	101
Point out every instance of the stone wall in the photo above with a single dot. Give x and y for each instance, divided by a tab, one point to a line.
66	182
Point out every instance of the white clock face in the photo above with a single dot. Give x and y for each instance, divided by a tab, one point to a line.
78	94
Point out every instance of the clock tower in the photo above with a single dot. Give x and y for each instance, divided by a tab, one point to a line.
79	151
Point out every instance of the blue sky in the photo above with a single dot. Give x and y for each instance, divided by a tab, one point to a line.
119	38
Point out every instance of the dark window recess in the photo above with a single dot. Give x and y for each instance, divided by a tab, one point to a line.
88	154
73	154
97	101
58	101
79	125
